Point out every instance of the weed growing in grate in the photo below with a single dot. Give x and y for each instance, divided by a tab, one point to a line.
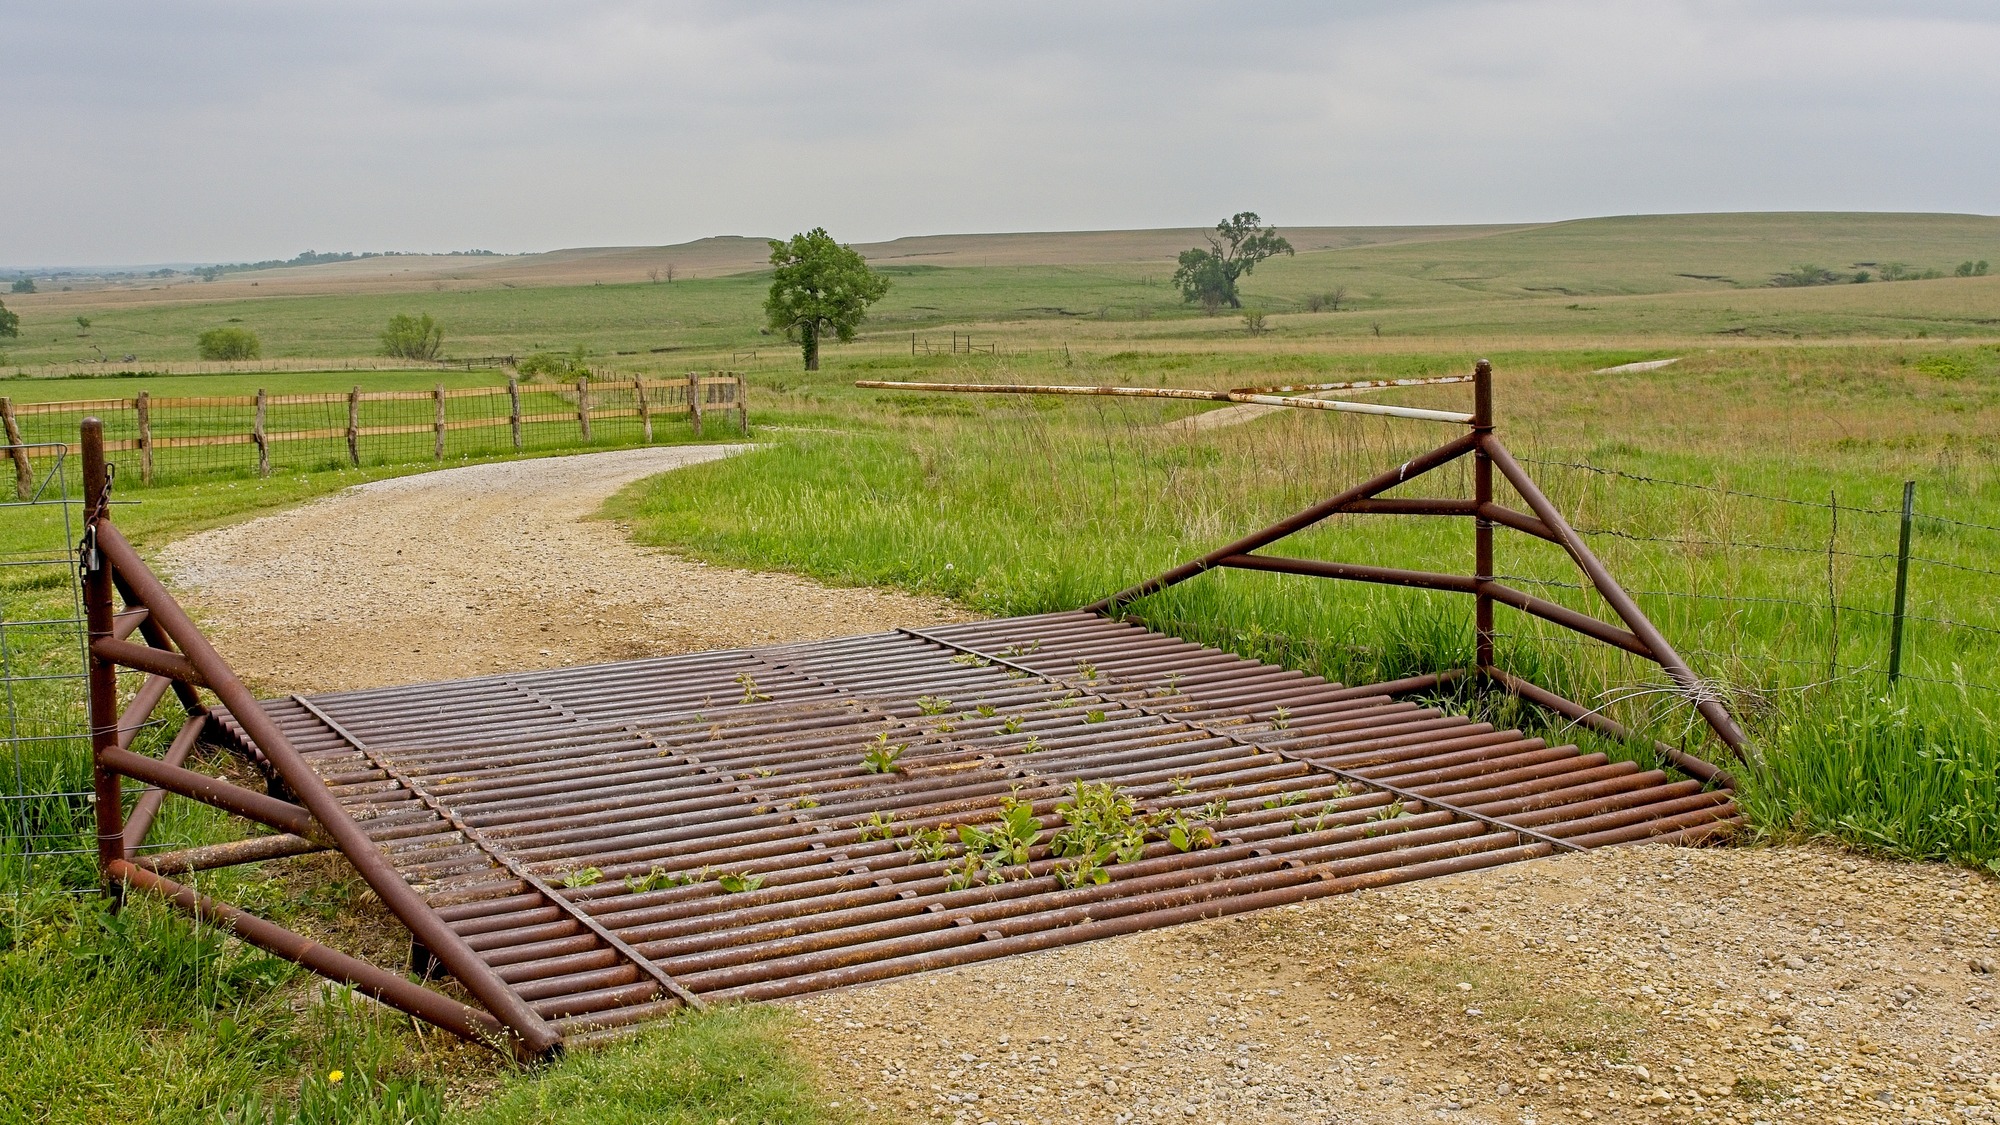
878	826
749	685
880	756
586	877
739	882
933	704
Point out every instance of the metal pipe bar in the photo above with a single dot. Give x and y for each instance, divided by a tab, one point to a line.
1250	398
1603	724
385	986
256	849
148	805
228	797
537	1039
1409	470
507	860
1663	653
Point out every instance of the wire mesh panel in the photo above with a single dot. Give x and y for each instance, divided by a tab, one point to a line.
45	814
169	440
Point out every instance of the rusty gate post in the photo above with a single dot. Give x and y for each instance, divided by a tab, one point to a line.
743	405
95	575
24	473
514	407
645	416
1482	527
354	426
142	408
437	424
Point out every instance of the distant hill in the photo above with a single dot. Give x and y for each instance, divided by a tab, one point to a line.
1401	264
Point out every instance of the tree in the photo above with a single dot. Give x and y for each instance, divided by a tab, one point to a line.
413	337
24	285
1238	244
229	343
10	322
820	286
83	326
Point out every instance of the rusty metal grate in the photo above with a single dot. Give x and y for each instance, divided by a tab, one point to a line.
550	819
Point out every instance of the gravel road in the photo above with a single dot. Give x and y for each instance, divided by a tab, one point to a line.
490	568
1636	984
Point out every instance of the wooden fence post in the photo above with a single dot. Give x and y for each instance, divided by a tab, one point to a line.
262	439
354	425
514	408
437	424
142	407
24	473
583	405
694	401
645	415
743	405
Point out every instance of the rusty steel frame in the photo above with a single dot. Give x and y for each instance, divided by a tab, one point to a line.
176	657
550	839
1543	521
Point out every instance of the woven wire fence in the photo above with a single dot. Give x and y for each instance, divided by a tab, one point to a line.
173	440
45	814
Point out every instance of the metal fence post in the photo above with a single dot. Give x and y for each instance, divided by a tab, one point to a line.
107	792
1482	527
1902	582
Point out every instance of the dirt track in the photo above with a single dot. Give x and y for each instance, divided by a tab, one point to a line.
489	568
1778	985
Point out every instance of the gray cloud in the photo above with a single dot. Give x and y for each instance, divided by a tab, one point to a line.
144	132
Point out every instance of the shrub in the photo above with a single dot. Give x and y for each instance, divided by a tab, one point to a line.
230	343
412	337
1972	269
24	285
1253	322
554	365
1327	302
10	322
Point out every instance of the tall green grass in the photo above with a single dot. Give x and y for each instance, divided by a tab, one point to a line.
1013	506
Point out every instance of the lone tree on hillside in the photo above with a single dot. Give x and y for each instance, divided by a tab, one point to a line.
820	287
412	337
229	343
24	284
1238	244
10	322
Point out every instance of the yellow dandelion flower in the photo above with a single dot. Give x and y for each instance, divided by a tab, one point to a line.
333	1077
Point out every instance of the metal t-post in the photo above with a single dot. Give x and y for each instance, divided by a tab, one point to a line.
1902	582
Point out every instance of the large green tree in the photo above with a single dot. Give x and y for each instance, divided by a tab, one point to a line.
1238	244
820	286
412	337
10	322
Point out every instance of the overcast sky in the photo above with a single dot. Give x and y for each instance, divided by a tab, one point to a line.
148	132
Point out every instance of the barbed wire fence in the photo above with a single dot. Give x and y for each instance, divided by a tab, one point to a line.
173	440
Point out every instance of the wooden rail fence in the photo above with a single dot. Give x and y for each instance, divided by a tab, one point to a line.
557	414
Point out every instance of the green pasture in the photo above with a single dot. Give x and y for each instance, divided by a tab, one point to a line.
1673	275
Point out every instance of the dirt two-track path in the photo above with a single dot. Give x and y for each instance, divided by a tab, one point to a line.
1635	984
